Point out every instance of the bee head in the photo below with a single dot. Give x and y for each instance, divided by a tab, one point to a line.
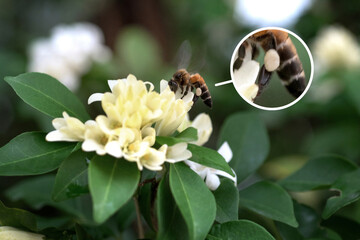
173	85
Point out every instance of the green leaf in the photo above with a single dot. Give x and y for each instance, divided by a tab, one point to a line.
346	228
81	233
171	224
209	157
270	200
14	217
170	141
126	216
195	201
29	153
227	201
317	173
112	183
146	203
47	95
36	192
71	178
241	229
309	224
188	135
248	139
349	187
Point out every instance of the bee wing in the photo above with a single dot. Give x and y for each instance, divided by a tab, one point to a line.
183	55
199	60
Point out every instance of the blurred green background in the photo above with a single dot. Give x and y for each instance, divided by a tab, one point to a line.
145	37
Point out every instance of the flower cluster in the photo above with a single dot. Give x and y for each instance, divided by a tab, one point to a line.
135	114
69	52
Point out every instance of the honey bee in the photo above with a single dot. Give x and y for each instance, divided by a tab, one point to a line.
188	82
280	56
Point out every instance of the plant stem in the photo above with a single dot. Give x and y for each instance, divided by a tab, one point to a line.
138	219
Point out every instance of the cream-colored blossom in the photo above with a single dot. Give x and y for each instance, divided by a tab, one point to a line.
202	123
336	47
178	153
174	110
210	175
11	233
135	115
68	129
204	129
153	159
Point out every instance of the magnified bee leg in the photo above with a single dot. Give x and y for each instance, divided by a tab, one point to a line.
263	79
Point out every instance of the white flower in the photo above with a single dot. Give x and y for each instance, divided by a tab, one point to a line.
67	129
336	47
135	115
204	129
210	174
245	78
174	108
68	52
177	153
202	123
11	233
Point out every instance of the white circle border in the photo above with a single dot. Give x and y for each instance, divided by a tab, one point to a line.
311	66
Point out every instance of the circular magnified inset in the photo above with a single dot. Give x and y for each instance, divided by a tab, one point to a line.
272	68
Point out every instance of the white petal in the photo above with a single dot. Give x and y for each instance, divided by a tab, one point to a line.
112	83
225	151
58	123
163	85
225	174
188	97
203	124
54	136
90	145
113	148
151	88
201	170
212	181
95	97
246	75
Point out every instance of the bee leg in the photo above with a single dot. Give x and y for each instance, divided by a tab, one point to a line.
263	79
254	51
186	91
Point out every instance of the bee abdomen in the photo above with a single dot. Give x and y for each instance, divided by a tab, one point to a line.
296	84
205	95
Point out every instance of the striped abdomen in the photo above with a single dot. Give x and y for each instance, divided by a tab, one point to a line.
198	82
290	70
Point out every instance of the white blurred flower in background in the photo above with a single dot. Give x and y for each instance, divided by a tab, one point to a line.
336	47
262	13
11	233
69	52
